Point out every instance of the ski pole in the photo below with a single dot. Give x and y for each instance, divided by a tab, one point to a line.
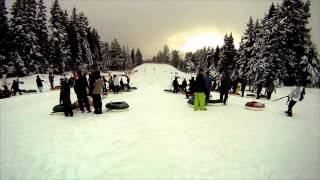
280	98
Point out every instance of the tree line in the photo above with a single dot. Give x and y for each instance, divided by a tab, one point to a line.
277	47
30	42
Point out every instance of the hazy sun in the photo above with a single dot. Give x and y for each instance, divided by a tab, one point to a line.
201	40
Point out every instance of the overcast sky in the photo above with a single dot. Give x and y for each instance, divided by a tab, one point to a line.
182	24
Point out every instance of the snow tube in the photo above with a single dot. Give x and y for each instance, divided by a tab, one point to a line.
133	88
168	90
59	108
29	91
117	105
256	106
104	93
251	95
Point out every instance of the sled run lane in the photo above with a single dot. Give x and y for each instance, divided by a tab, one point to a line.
159	136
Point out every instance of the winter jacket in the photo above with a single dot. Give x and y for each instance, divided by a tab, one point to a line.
15	86
65	92
208	81
200	85
192	85
296	93
175	83
184	83
51	77
39	82
225	86
81	85
97	86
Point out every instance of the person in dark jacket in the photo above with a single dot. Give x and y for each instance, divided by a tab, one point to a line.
208	82
200	89
175	85
15	87
270	88
121	84
259	89
243	87
65	96
184	85
224	88
51	79
39	84
80	88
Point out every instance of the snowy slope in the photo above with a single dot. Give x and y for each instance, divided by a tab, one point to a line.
159	137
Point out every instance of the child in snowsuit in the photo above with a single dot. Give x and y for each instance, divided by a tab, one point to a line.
297	94
208	82
65	97
200	88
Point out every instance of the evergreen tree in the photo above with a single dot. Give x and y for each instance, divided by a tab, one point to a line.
60	53
216	57
302	62
139	57
227	56
175	58
115	49
133	58
245	52
42	35
4	33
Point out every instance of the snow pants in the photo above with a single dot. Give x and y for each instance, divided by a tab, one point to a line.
224	97
290	106
67	108
97	103
199	99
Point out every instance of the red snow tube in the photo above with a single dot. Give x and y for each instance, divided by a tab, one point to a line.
256	106
104	93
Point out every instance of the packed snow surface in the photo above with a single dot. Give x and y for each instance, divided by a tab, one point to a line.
159	137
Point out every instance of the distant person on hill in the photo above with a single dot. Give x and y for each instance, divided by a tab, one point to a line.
208	82
121	84
259	89
51	79
65	97
175	85
116	84
104	84
224	88
200	88
184	85
39	84
80	88
111	85
297	94
15	87
243	87
96	93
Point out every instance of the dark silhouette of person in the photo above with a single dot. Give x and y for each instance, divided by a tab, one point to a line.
15	87
175	85
80	88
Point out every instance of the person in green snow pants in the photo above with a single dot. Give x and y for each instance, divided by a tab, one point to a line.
200	88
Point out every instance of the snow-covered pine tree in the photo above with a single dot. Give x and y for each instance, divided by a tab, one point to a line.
86	52
269	63
74	40
42	36
245	52
58	39
175	58
227	56
302	62
139	57
115	49
133	58
216	57
94	42
4	33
